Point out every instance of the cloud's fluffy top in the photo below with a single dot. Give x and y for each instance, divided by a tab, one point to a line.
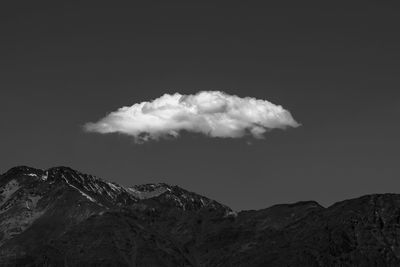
213	113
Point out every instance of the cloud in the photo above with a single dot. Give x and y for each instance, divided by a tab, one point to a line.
212	113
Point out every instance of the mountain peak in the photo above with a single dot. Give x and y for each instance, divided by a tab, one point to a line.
109	194
175	196
22	169
61	169
150	190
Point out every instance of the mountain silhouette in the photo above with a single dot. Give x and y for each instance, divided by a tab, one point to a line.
62	217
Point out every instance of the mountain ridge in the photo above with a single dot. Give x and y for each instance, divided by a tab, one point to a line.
63	217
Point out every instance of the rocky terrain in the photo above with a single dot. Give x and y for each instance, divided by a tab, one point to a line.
61	217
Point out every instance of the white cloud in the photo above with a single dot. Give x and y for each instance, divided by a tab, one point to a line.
212	113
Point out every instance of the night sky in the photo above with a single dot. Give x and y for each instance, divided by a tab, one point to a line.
335	67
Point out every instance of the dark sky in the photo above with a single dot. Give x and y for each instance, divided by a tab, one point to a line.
335	65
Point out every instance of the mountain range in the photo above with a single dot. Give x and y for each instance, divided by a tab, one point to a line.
62	217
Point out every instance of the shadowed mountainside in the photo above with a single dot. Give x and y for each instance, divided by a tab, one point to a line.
61	217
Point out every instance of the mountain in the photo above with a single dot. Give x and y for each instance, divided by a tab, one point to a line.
62	217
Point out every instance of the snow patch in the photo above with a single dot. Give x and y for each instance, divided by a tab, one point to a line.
147	194
82	193
44	176
114	187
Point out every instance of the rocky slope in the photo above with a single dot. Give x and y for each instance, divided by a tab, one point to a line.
61	217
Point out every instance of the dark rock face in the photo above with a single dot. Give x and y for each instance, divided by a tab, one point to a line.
61	217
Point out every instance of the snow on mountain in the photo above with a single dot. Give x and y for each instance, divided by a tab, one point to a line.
40	205
149	190
95	190
60	217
